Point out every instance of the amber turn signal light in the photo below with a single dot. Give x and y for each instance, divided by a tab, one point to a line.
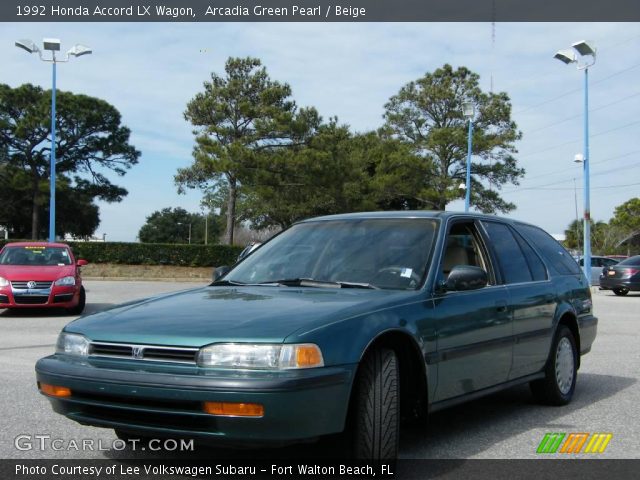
308	356
55	390
227	409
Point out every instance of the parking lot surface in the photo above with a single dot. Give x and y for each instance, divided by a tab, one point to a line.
505	425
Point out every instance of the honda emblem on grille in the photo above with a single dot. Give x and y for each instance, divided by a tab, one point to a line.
137	353
31	285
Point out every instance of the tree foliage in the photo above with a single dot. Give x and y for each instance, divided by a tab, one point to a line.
627	216
427	114
605	238
238	117
90	141
171	225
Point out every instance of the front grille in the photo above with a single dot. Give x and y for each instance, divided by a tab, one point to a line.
144	352
111	350
31	299
4	299
23	285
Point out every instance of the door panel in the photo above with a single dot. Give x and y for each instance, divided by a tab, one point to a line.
475	342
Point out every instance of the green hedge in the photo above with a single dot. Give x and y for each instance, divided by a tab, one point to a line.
154	253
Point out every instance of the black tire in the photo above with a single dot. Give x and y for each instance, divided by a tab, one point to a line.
77	310
621	292
377	407
559	383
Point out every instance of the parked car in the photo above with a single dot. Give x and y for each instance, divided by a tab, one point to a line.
597	264
41	275
343	323
623	277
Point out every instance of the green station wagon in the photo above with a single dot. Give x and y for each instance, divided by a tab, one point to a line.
346	323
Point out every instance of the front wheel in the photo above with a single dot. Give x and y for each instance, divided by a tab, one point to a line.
77	310
559	383
377	403
621	292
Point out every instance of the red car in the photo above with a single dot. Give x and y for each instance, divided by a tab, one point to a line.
40	274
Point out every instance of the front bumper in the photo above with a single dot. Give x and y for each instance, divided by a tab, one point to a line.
54	297
166	400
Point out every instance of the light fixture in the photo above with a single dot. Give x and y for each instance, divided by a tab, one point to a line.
579	158
468	109
584	48
567	56
27	45
79	50
51	44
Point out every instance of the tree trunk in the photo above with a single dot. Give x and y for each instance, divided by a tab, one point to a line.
231	209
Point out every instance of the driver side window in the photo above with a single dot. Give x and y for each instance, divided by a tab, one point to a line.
464	247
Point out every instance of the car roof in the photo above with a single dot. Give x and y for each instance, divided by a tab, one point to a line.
36	244
435	214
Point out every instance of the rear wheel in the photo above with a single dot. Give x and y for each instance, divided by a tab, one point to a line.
77	310
559	383
377	403
621	292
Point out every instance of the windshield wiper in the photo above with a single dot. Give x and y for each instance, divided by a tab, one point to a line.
310	282
224	283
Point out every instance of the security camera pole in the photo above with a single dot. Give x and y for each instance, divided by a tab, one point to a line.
568	56
52	45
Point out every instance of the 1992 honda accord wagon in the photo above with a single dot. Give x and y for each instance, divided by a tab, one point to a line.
345	323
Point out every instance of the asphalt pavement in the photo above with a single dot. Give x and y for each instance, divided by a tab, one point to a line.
505	425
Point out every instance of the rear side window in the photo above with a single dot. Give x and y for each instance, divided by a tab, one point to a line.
538	270
553	253
512	261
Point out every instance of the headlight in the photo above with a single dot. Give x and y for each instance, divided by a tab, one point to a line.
4	282
66	281
261	356
72	344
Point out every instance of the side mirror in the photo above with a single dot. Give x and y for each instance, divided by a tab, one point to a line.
466	277
82	263
219	272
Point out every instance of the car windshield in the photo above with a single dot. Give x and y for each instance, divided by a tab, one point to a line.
388	253
35	255
634	261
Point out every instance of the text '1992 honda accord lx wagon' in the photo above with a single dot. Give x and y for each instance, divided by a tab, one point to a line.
345	323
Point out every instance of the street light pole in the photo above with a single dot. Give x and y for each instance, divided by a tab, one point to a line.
52	179
568	56
587	199
468	110
52	45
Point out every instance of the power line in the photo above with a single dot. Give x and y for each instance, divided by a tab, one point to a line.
582	114
569	92
578	139
579	188
558	182
608	159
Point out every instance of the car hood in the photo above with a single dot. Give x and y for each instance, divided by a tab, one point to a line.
36	273
228	314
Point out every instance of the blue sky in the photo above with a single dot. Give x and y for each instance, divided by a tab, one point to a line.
150	71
